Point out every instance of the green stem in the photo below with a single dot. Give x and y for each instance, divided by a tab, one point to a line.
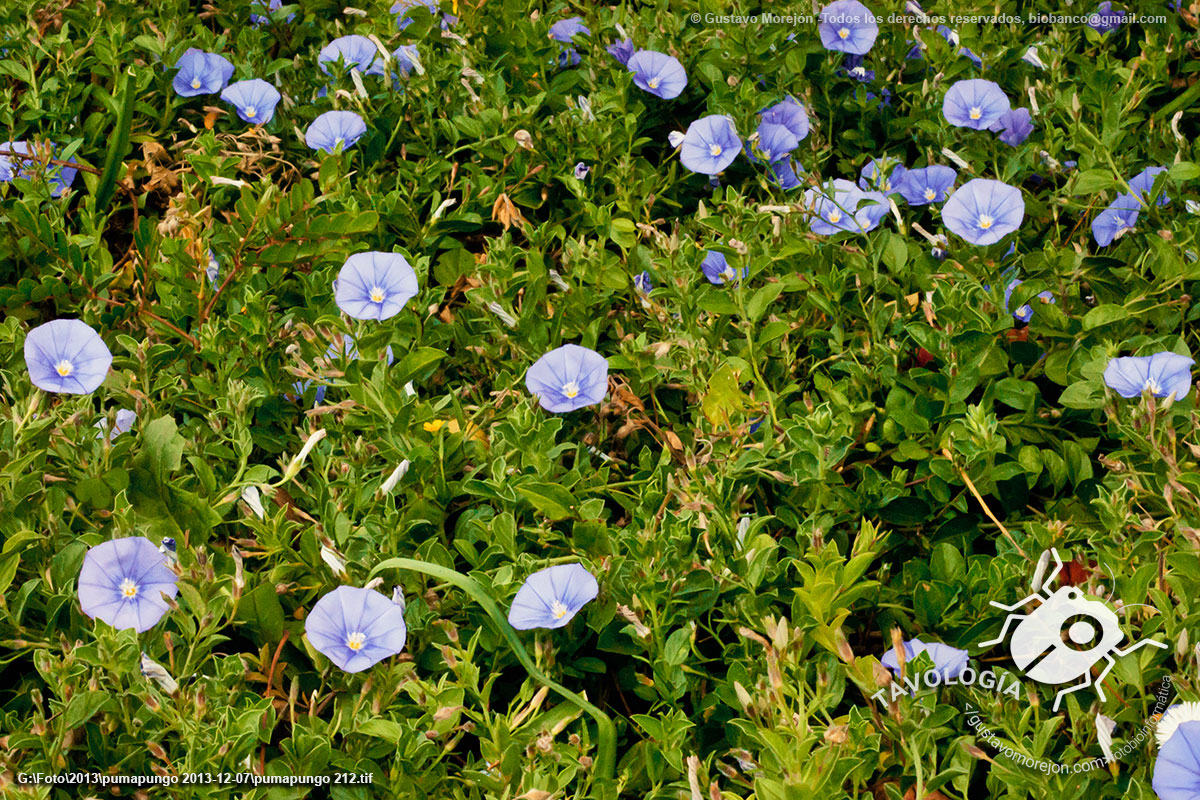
606	747
124	97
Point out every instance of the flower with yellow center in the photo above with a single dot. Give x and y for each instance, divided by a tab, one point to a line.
195	83
1153	386
843	33
835	216
930	194
653	83
376	294
356	640
558	609
975	113
251	111
64	368
571	389
129	588
714	150
985	221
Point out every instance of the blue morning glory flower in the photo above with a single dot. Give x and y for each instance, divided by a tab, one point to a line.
789	114
1143	182
710	145
569	57
622	51
213	270
335	129
255	100
259	19
122	582
885	96
375	285
1116	220
948	661
642	283
1177	768
974	103
123	422
718	270
13	165
784	174
927	185
1161	374
1104	19
581	171
952	37
550	597
1024	313
657	73
201	73
871	179
406	57
839	205
847	26
984	211
775	141
333	353
1014	126
564	29
66	356
568	378
1031	57
854	67
401	8
355	52
356	628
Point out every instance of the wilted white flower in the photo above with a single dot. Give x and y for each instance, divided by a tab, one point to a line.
1031	57
333	560
1104	730
398	597
293	468
399	472
505	317
251	496
155	672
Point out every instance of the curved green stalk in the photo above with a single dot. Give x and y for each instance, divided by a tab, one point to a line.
124	97
606	747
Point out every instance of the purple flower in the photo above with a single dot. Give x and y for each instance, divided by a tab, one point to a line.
952	37
841	206
406	58
1014	126
622	51
710	145
974	103
258	19
948	661
790	115
1161	374
1104	19
581	171
1116	220
717	269
355	52
335	129
984	211
57	176
201	73
335	353
66	356
657	73
568	58
775	141
374	285
123	422
854	68
122	582
642	283
549	598
254	100
870	178
568	378
401	8
1143	182
847	26
885	96
1177	768
356	628
927	185
565	29
1024	313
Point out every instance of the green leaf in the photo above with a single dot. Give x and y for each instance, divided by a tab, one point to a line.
260	609
762	299
1105	314
1016	393
417	361
82	707
1093	181
384	729
1082	394
162	447
552	500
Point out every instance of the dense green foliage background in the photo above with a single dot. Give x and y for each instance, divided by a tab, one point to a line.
750	576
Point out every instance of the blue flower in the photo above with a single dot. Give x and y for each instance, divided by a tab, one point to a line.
1104	19
123	422
847	26
201	73
550	597
356	628
1116	220
1161	374
335	129
375	285
258	19
213	270
355	52
927	185
839	206
974	103
710	145
1177	768
255	100
622	51
947	661
717	269
952	37
853	67
642	283
984	211
569	57
870	178
564	29
784	174
335	353
789	114
1014	126
1143	182
407	58
775	141
581	171
123	582
401	8
1024	313
568	378
66	356
657	73
14	165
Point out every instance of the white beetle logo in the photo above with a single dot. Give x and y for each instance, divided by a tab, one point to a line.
1061	639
